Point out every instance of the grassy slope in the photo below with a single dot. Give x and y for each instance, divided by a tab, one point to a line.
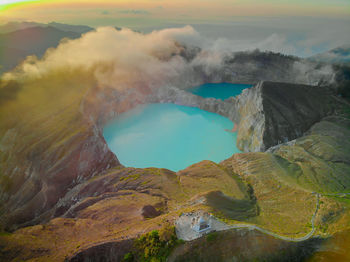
285	204
118	214
110	204
321	158
279	201
242	245
45	109
335	249
41	131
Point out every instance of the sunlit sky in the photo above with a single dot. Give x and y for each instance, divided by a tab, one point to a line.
100	12
309	25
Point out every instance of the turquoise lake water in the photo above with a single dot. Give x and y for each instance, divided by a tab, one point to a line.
169	136
218	90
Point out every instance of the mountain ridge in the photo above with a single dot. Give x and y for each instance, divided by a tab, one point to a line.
16	45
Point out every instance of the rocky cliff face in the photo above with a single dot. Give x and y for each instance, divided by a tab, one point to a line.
273	113
182	97
268	114
256	66
251	124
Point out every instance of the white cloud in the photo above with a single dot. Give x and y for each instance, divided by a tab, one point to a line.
117	58
124	58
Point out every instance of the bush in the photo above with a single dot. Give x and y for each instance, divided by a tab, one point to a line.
212	236
155	246
167	233
128	257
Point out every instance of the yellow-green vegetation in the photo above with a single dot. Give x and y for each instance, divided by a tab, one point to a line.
116	215
255	189
212	236
196	180
229	208
130	177
334	214
4	233
6	182
284	208
154	246
40	100
154	171
320	159
284	179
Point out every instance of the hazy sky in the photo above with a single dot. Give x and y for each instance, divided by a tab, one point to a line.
301	27
100	12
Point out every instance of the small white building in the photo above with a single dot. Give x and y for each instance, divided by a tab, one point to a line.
200	225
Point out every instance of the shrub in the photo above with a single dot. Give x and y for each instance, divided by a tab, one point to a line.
128	257
155	246
212	236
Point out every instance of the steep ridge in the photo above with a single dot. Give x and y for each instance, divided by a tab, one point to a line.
273	113
57	171
47	147
318	161
253	67
15	26
340	55
246	110
322	156
33	39
108	208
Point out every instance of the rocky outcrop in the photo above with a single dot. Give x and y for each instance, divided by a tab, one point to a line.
273	113
149	211
251	124
253	67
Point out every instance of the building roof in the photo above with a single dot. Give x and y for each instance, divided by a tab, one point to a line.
202	221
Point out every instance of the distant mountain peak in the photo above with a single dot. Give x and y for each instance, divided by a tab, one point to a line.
16	25
338	55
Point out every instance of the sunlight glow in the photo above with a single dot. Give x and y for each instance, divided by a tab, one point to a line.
45	10
5	4
9	2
